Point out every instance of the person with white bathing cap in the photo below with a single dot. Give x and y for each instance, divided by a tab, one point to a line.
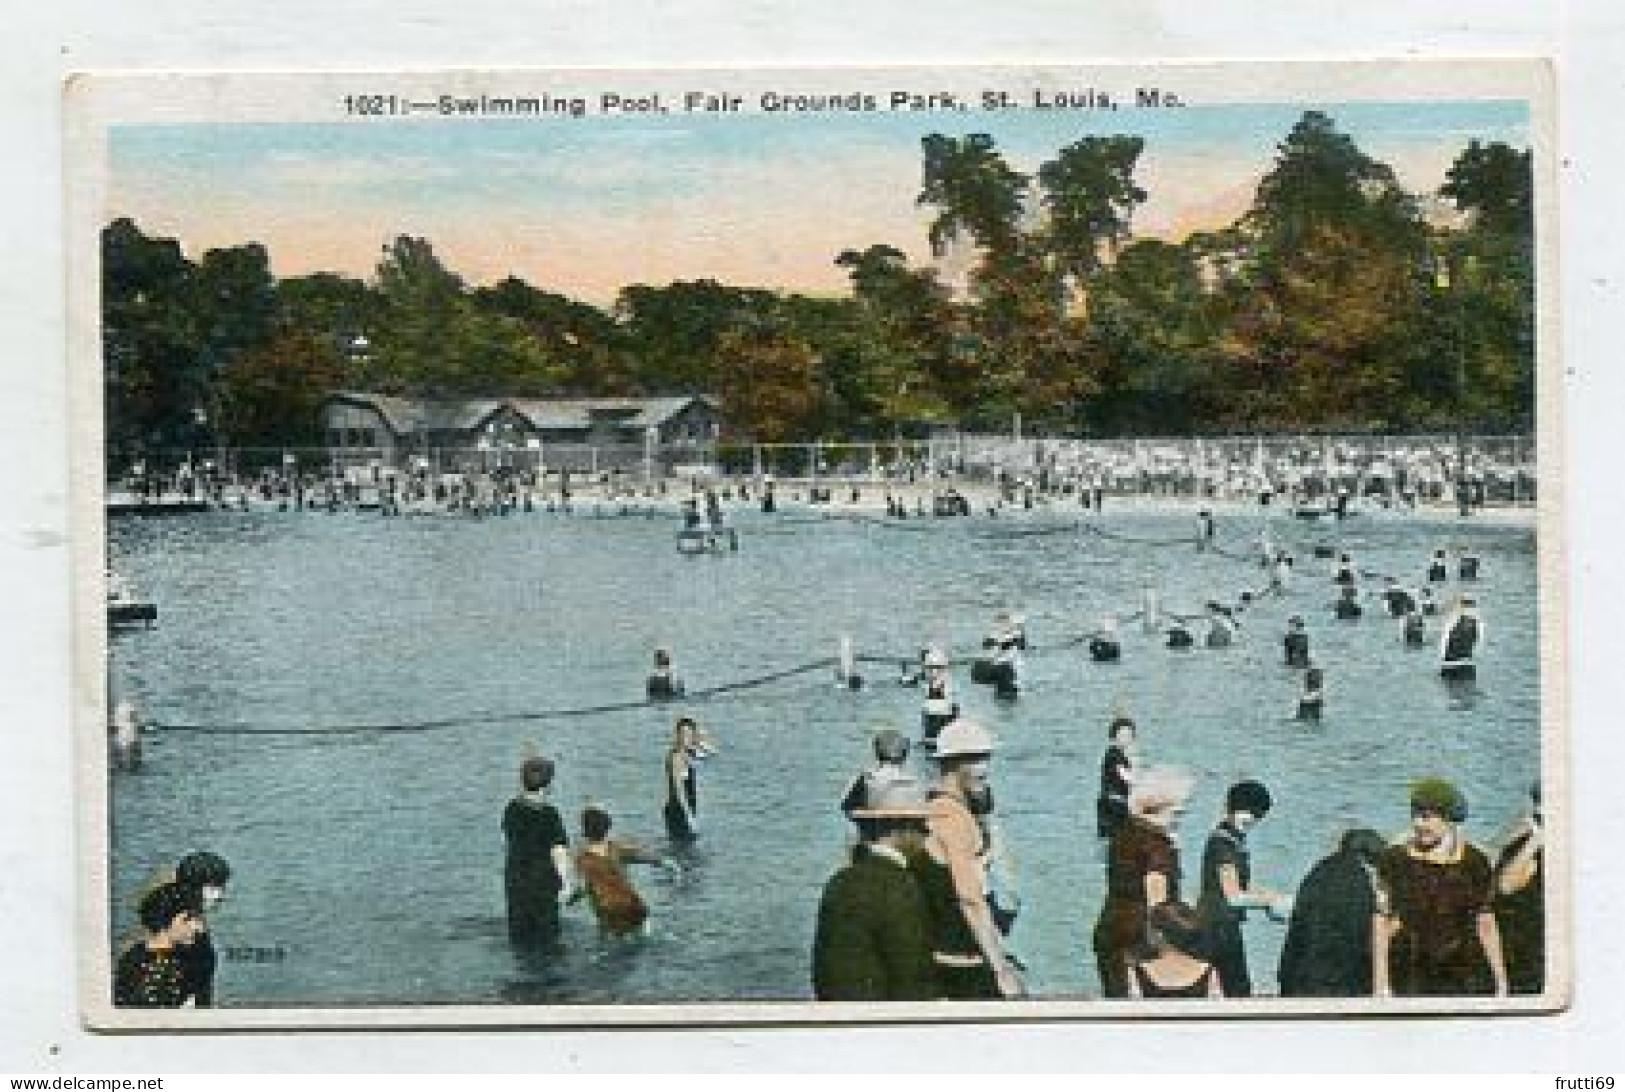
967	949
939	707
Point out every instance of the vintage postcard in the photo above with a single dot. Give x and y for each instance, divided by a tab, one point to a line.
595	547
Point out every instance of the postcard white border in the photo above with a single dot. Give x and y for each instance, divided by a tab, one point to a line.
95	101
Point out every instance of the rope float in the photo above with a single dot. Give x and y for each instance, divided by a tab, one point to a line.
497	718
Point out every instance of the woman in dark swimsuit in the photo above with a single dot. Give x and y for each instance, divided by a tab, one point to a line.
688	745
1116	772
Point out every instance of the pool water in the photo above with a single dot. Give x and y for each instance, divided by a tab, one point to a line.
368	865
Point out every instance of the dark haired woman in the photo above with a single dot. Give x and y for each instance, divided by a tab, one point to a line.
1116	775
688	746
1227	887
205	874
150	974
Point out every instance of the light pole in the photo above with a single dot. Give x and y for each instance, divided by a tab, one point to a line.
1448	281
534	443
1444	221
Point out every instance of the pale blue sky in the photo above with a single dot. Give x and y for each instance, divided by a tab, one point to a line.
584	206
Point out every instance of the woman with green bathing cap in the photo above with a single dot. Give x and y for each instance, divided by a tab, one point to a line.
1437	937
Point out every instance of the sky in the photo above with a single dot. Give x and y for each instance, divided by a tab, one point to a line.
584	207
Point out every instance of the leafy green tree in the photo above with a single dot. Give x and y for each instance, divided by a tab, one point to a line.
1153	325
580	339
1321	178
433	340
414	349
900	348
270	395
329	305
1090	195
154	378
672	333
974	191
1494	293
1033	359
770	382
1322	306
1495	184
236	299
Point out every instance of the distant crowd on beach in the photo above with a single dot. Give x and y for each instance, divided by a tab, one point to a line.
1387	472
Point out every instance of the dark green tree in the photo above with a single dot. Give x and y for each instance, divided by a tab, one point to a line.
671	334
1089	193
582	340
433	340
269	396
154	374
1494	291
900	350
1322	306
975	192
1152	324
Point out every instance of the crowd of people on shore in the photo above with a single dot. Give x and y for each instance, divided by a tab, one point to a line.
1311	474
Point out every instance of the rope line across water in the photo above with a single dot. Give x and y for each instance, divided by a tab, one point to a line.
497	718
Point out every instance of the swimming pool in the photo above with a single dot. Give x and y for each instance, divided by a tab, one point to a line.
368	865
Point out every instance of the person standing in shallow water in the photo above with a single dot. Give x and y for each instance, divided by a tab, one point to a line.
601	864
1327	952
1312	702
682	810
1227	887
1462	635
891	753
537	876
966	946
1296	643
1438	936
1520	901
1116	777
873	937
204	875
1142	872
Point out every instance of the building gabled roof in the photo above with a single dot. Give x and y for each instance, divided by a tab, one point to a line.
409	415
577	413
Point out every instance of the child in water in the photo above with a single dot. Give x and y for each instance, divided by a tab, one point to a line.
1314	696
1296	643
601	864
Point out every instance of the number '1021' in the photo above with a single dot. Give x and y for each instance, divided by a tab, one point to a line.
371	105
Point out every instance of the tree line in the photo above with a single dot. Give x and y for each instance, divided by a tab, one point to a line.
1337	300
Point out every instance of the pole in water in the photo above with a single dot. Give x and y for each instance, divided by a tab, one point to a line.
845	665
1150	609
